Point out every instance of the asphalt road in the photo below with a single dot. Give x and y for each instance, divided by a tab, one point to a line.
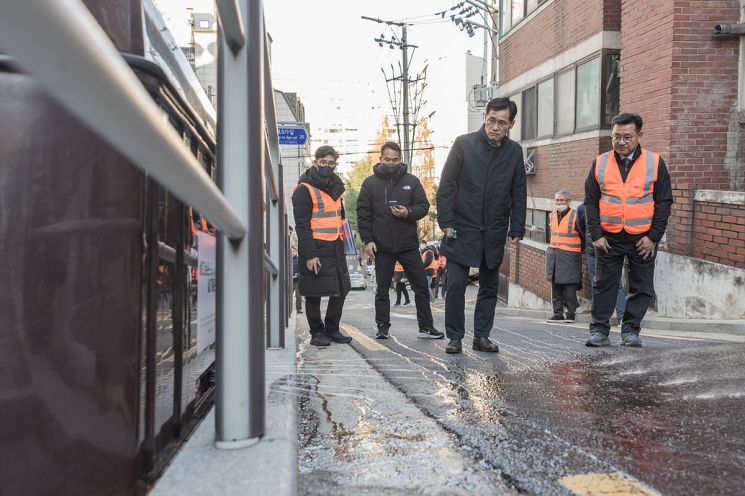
550	416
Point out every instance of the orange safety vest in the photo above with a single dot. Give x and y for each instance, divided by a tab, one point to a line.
433	264
627	205
398	267
325	221
564	234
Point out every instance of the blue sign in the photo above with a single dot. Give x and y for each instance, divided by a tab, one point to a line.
292	136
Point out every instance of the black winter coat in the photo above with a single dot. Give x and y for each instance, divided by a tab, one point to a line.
482	194
375	221
333	278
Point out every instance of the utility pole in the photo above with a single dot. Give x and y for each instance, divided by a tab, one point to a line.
405	81
405	76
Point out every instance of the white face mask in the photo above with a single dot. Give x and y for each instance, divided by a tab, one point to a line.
562	208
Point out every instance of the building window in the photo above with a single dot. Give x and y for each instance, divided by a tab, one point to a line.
530	114
535	225
546	108
565	102
515	132
588	94
580	98
514	11
204	24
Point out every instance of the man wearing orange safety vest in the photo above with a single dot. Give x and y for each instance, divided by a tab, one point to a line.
400	285
564	258
628	198
318	214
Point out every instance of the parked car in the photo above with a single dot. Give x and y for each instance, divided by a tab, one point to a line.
358	280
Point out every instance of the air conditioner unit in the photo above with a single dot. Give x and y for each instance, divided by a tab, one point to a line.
529	160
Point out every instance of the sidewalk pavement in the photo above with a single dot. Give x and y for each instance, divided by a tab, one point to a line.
703	326
270	467
267	468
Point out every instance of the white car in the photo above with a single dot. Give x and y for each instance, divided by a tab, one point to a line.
358	280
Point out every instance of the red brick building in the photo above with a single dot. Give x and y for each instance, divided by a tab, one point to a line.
571	66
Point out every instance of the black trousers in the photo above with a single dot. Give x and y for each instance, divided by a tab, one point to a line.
401	290
333	314
455	300
564	295
414	270
608	270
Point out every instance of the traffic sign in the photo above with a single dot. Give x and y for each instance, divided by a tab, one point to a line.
292	136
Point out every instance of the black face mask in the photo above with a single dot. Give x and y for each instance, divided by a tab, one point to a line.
325	172
392	169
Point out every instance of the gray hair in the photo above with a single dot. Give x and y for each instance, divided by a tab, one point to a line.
563	194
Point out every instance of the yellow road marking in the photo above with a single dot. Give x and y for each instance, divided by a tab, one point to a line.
365	341
606	484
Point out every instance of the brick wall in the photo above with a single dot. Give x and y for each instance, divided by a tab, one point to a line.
559	27
685	89
646	67
528	269
719	233
565	166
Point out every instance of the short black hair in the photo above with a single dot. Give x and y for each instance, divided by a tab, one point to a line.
628	118
502	103
326	150
391	145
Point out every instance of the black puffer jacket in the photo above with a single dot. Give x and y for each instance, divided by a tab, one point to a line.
374	218
482	194
333	278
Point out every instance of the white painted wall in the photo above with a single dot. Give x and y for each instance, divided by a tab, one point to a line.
693	288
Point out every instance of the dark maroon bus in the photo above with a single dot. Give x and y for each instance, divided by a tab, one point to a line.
100	372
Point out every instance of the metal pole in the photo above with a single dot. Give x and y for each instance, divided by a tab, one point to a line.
231	23
405	83
240	409
61	45
274	214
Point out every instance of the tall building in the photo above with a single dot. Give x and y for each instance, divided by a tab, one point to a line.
204	46
295	158
571	66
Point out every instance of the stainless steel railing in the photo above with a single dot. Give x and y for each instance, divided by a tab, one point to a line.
62	46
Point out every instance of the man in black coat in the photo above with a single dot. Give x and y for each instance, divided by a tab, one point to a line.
323	268
390	203
481	200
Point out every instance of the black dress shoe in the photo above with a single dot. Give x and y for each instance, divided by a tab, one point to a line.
483	344
338	337
454	347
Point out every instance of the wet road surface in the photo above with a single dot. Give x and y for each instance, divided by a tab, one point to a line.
544	415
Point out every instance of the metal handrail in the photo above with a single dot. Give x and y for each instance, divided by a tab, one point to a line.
270	267
64	48
231	23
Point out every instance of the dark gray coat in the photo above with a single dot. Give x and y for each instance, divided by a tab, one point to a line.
333	278
565	267
482	195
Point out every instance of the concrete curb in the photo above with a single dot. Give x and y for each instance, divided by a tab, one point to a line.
267	468
736	327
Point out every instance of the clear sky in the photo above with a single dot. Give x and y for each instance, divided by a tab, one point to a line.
323	51
326	53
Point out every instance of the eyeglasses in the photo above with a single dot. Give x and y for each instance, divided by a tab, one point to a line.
561	200
326	164
626	138
500	123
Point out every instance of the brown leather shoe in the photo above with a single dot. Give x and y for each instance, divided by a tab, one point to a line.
454	347
483	344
